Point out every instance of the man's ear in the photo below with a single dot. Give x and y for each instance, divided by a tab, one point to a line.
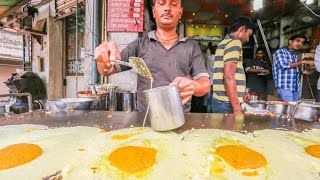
181	12
242	29
153	9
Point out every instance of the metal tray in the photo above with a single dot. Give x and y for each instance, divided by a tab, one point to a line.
118	120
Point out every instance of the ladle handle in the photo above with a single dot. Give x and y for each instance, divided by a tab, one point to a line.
122	63
295	107
116	61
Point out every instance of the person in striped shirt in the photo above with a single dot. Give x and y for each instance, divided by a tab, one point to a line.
229	81
285	69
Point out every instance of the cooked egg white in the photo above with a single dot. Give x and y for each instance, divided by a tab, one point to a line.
34	152
287	156
135	153
226	154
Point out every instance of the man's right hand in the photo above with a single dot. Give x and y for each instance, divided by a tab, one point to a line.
237	110
107	51
103	54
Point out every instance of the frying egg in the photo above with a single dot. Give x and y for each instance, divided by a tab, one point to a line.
34	152
287	152
228	154
134	153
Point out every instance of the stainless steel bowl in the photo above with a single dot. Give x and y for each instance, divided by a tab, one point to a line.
308	111
70	104
278	108
261	105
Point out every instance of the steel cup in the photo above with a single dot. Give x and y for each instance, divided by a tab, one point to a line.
165	108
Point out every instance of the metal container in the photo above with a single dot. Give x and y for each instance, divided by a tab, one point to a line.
2	109
70	104
308	111
99	99
165	107
261	105
112	97
126	101
278	107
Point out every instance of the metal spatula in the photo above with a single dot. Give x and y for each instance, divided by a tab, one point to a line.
138	64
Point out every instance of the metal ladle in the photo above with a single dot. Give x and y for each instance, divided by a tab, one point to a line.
136	63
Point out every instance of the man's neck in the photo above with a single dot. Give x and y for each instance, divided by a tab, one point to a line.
166	33
235	34
292	49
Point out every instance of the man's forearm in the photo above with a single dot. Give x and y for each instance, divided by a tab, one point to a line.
201	86
296	64
231	91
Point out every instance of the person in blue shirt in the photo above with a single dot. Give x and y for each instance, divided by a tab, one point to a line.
285	69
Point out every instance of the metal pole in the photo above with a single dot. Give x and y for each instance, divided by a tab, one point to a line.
96	36
264	40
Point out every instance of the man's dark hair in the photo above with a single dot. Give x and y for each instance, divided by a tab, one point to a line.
242	21
154	2
298	36
261	49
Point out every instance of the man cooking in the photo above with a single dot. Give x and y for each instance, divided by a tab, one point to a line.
171	59
286	69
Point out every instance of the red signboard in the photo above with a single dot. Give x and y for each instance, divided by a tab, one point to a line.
125	15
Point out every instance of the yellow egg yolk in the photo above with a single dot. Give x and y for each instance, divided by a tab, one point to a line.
313	150
18	154
133	158
125	136
241	157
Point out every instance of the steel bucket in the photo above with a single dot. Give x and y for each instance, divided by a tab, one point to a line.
112	97
165	107
308	111
126	101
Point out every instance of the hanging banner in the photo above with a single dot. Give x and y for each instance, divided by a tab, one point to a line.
125	15
11	45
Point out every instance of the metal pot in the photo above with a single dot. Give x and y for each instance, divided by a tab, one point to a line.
261	105
165	105
99	100
308	111
126	101
70	104
2	109
278	108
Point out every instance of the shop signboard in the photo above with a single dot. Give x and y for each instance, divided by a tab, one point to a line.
125	15
11	46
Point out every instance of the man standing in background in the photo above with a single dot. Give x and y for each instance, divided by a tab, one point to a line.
257	71
229	81
286	69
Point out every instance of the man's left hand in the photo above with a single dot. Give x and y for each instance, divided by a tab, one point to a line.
186	88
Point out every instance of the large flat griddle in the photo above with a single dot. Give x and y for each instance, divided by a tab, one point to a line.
118	120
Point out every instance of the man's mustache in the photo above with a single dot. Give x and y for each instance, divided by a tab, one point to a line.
167	14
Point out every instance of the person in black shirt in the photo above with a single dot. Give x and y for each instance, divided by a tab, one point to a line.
257	71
